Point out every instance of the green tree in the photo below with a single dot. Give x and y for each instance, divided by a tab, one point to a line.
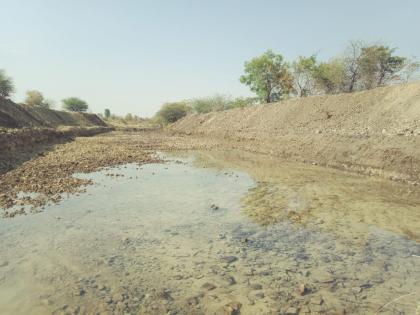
6	84
75	104
171	112
107	113
330	76
379	66
303	74
210	104
268	76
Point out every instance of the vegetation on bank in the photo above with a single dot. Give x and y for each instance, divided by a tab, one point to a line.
128	121
6	84
272	78
74	104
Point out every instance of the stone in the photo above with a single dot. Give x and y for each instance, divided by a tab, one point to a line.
192	301
229	280
232	308
303	289
256	286
229	259
292	311
213	207
117	297
318	300
208	286
3	264
256	295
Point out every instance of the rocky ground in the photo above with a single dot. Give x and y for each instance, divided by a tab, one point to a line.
48	176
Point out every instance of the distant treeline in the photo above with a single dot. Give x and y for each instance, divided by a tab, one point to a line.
361	67
36	98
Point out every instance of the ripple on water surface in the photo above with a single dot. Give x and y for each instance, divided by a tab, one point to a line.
212	234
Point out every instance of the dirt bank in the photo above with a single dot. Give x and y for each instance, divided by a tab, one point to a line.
371	132
14	115
26	131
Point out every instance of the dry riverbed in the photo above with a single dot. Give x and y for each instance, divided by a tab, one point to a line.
208	231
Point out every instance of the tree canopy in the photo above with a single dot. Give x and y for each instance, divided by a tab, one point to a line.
303	73
75	104
6	84
268	76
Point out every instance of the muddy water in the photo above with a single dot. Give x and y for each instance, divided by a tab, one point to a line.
211	233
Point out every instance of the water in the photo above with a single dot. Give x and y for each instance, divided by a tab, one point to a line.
207	233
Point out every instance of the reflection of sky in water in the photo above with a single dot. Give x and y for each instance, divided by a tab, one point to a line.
172	219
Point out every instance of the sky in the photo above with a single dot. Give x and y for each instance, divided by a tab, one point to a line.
132	56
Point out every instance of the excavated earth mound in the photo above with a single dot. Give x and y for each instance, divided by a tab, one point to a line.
17	116
24	130
373	132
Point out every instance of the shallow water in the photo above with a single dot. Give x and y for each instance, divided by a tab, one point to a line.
206	233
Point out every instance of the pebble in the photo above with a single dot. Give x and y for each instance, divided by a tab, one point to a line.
303	289
208	286
229	280
117	297
232	308
3	263
256	295
317	300
256	286
292	311
229	259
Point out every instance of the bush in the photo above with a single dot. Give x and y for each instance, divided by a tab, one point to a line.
210	104
171	112
75	104
242	102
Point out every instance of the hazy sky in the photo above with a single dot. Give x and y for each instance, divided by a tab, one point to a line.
131	56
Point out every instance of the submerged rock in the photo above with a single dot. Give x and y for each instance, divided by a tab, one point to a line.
229	259
232	308
208	286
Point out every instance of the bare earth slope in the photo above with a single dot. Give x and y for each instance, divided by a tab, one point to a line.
17	116
26	129
374	132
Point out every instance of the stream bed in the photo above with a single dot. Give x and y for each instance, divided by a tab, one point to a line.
217	233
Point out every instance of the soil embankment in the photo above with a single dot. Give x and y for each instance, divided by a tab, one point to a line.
26	130
371	132
19	116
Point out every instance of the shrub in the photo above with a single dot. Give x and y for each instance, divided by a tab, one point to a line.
75	104
171	112
6	84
